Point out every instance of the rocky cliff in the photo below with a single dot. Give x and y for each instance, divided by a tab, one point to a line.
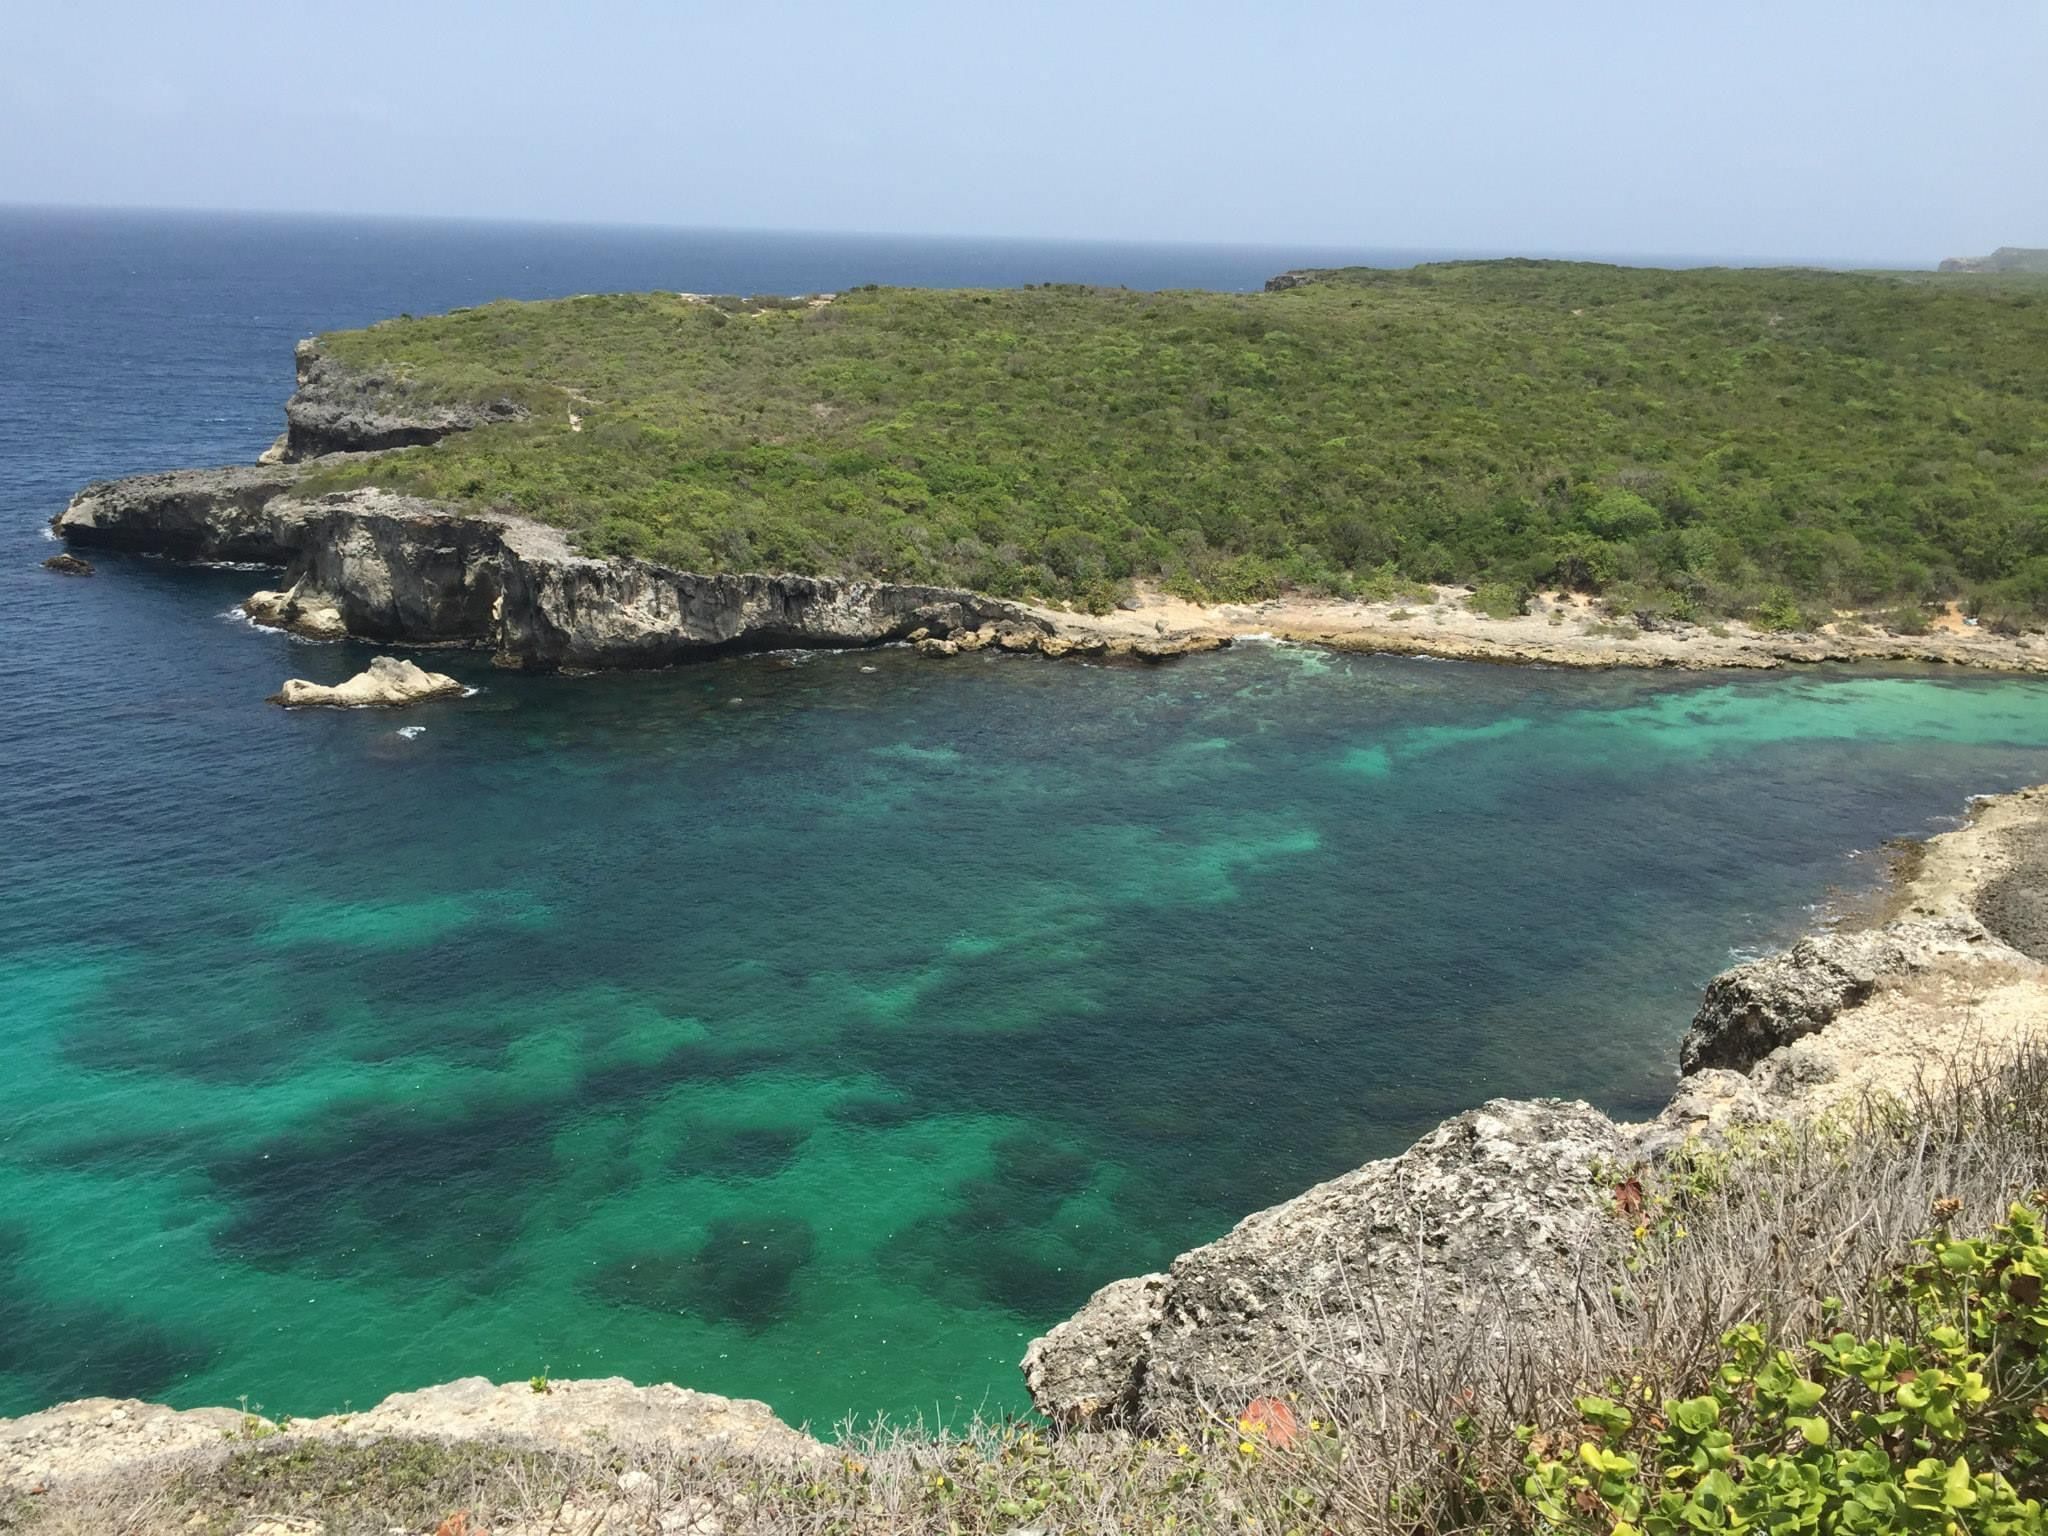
375	565
2007	258
1505	1217
337	409
380	566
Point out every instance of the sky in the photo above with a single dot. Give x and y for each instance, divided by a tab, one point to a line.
1871	130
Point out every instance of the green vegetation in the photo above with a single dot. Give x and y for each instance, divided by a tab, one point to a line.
1934	1429
1733	442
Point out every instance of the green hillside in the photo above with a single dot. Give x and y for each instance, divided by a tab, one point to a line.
1770	443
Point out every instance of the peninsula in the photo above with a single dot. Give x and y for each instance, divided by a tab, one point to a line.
1512	460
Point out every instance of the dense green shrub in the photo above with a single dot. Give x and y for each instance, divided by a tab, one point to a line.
1784	442
1500	599
1940	1428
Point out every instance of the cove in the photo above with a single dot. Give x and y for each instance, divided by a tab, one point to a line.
821	1028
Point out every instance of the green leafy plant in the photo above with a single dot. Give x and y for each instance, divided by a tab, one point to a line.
1939	1427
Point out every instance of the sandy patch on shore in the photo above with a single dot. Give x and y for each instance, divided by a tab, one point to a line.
1560	629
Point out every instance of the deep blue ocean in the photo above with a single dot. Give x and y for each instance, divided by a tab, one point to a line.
808	1028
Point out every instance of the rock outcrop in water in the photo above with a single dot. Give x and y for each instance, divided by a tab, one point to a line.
68	565
387	683
1507	1213
1754	1009
187	514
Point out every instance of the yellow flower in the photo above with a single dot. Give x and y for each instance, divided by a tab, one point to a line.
1182	1449
1247	1447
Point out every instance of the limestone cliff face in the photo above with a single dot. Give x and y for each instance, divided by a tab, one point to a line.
1492	1213
395	568
337	409
188	514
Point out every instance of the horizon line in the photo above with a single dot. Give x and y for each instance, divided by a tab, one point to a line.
1422	253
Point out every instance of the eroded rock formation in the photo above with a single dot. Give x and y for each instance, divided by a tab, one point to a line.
337	409
387	683
1493	1213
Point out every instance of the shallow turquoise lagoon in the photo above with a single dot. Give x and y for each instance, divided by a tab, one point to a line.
821	1029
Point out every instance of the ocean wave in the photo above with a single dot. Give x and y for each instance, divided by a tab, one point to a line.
410	732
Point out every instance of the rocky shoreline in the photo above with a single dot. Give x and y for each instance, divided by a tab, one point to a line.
374	565
1497	1216
1504	1214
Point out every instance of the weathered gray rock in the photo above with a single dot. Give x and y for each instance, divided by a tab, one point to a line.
388	682
188	514
1167	647
68	565
80	1442
301	612
377	565
1705	1107
572	1415
567	610
337	409
76	1442
1492	1219
1753	1009
396	568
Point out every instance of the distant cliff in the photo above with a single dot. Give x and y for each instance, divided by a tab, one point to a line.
2007	258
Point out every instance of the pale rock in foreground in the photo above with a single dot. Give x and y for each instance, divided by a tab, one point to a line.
387	682
79	1442
1491	1216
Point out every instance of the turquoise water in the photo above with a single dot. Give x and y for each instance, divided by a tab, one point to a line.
801	1031
821	1031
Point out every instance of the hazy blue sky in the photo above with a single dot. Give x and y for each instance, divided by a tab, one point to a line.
1815	128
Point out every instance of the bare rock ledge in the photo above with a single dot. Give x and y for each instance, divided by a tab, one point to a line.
96	1437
